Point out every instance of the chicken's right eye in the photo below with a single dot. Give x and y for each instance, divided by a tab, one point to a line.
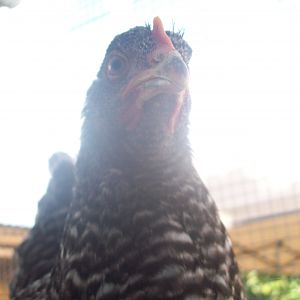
116	67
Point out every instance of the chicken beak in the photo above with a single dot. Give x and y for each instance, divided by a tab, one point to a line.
168	74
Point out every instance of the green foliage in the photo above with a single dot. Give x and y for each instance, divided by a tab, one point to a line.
271	287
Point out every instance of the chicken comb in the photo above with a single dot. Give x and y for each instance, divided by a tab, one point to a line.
160	35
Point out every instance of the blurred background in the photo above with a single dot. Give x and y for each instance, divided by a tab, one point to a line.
245	87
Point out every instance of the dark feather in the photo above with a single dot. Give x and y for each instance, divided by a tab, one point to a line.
37	254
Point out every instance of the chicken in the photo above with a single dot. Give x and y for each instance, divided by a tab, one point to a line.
36	255
142	224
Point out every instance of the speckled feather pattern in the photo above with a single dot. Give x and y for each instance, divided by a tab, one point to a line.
142	224
154	239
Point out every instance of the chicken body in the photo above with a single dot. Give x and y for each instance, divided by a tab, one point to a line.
142	225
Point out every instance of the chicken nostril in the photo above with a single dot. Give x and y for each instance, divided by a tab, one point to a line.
158	58
177	65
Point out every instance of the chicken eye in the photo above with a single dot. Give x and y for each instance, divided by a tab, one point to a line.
116	67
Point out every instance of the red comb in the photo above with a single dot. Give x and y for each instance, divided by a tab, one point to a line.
159	33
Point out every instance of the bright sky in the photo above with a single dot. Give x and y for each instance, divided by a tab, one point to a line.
245	86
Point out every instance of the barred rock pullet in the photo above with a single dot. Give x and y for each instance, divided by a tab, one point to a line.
142	224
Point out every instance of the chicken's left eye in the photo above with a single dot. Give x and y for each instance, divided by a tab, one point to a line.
116	67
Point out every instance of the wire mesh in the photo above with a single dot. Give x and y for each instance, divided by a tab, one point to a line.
264	222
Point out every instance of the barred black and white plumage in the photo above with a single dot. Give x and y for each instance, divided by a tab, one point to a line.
142	224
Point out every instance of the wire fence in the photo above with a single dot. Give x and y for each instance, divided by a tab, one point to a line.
263	221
